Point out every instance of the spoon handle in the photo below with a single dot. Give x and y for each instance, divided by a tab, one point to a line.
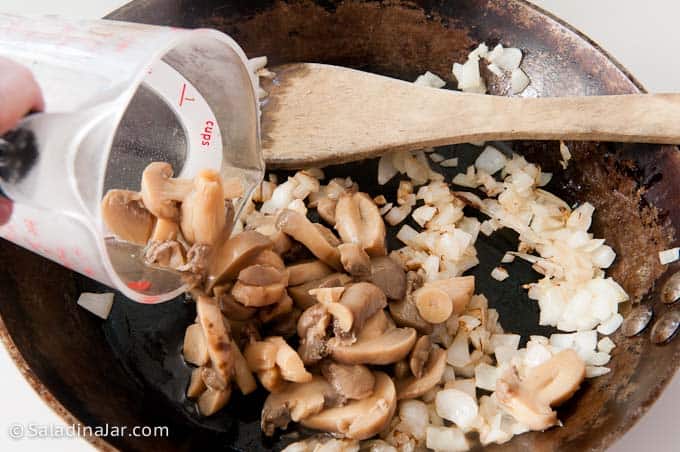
319	114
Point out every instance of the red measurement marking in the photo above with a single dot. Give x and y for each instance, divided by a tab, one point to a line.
77	252
183	97
89	272
150	299
207	133
63	258
30	227
140	286
122	45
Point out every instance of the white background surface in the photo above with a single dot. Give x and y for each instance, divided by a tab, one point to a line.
641	35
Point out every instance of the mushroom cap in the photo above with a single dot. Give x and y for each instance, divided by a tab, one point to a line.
433	304
257	296
354	259
363	300
419	355
392	346
413	387
326	209
260	355
126	217
304	231
204	214
220	347
160	192
231	308
358	220
350	381
304	299
389	276
405	314
263	275
234	254
268	257
289	362
460	289
295	401
360	419
303	272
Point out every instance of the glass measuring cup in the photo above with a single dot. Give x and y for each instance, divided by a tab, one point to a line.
119	96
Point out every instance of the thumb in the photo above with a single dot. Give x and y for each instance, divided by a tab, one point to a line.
6	208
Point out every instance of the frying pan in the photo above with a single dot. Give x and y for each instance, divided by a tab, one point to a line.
128	370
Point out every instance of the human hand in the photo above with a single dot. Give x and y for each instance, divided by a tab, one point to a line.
19	95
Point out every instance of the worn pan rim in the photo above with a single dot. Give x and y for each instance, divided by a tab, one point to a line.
101	444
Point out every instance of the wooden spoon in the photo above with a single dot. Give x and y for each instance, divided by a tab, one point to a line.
318	114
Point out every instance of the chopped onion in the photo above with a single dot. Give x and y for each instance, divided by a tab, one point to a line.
430	80
504	340
436	158
98	304
597	358
499	274
449	439
509	60
456	406
397	214
612	324
566	155
606	345
491	160
596	371
423	214
518	81
386	169
668	256
486	376
458	354
449	163
507	258
414	418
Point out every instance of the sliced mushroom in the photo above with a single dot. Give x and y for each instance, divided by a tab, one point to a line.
304	272
289	362
235	254
294	402
212	379
326	209
353	382
261	355
164	230
363	300
203	218
211	401
301	296
360	419
405	313
231	308
285	325
328	295
304	231
220	347
278	309
195	349
125	215
419	355
244	378
268	257
358	220
311	329
161	192
168	254
433	304
375	326
198	259
263	275
530	399
354	259
271	379
257	296
391	346
459	289
281	242
389	276
196	385
431	375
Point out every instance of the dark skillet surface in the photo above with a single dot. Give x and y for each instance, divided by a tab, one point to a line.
128	370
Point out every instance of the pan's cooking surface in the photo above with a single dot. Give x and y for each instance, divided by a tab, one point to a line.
129	371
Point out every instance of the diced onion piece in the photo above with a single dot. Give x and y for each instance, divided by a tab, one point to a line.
456	406
468	76
507	258
423	214
669	255
518	81
491	160
495	70
98	304
486	376
597	358
436	158
509	60
397	214
458	354
414	416
430	80
449	163
504	340
499	274
386	169
544	179
566	155
612	324
596	371
606	345
449	439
